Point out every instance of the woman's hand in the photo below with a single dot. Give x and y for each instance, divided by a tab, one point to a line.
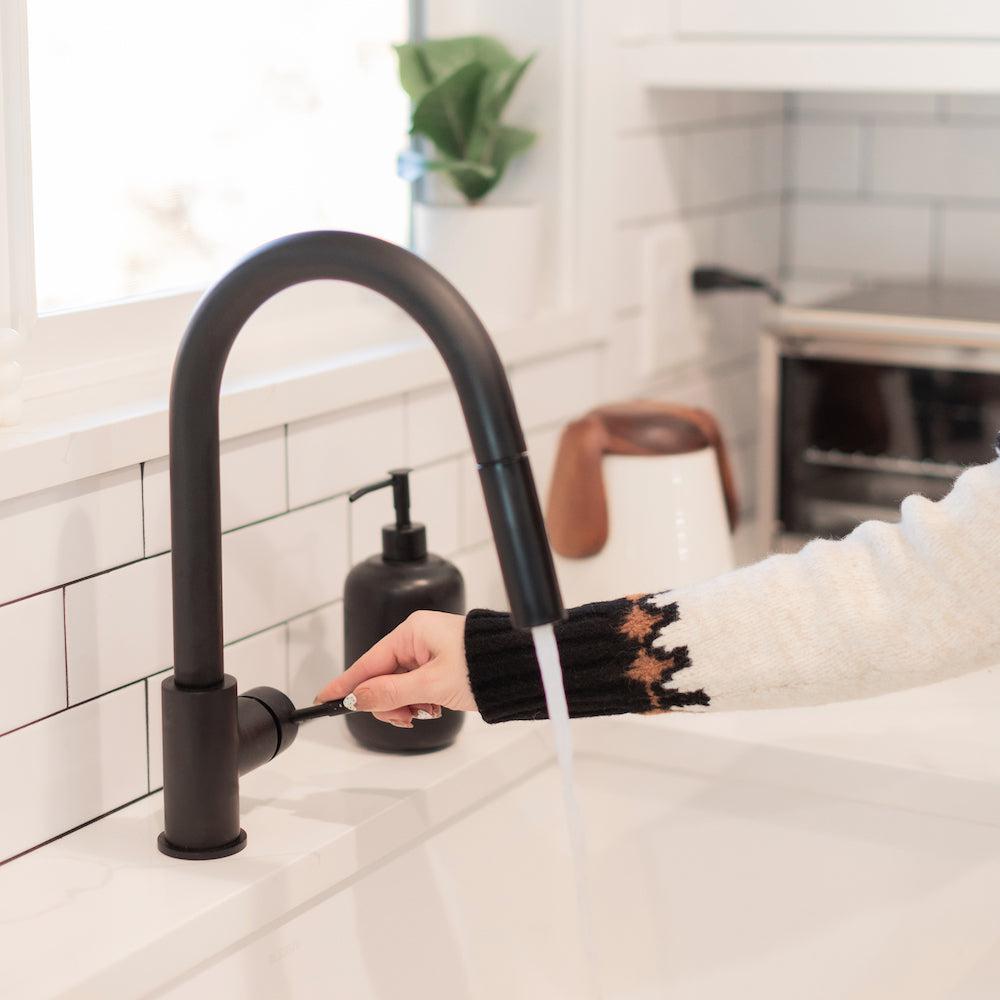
417	668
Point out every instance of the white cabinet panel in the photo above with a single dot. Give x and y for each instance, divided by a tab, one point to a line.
885	19
877	46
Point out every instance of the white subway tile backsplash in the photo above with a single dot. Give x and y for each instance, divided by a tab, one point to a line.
260	660
252	485
33	669
628	267
826	156
862	237
280	568
69	532
974	105
315	652
750	239
435	494
542	447
731	395
71	767
650	173
772	167
475	522
118	627
435	427
921	157
941	160
483	582
558	388
335	453
366	518
721	166
747	103
886	104
733	324
970	245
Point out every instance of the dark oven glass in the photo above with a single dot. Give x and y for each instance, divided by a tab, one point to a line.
858	438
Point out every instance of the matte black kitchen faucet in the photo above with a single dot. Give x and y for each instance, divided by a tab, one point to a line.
211	736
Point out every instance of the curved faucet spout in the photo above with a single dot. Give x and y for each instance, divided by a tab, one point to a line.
475	368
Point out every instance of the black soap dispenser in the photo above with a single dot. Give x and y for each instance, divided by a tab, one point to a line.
383	591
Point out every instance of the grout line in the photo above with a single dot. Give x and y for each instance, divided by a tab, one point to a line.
79	826
936	244
697	211
65	646
702	126
228	531
142	505
69	708
288	487
879	119
145	685
786	200
866	161
901	200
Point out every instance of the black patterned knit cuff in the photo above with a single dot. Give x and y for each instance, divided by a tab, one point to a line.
610	665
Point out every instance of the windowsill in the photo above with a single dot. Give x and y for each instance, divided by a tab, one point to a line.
73	434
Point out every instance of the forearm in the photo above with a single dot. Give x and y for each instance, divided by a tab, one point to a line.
888	607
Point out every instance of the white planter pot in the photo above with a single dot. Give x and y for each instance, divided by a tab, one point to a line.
490	253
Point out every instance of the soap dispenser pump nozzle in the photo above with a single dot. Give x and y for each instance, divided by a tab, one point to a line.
403	541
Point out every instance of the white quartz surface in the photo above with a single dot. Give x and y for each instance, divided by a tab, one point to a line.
101	913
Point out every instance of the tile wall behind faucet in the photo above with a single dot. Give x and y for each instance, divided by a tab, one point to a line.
710	164
85	625
892	187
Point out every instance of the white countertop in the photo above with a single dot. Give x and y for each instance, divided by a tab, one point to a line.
100	911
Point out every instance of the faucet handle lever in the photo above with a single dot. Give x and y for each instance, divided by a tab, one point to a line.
323	709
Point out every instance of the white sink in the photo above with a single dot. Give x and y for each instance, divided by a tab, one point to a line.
719	869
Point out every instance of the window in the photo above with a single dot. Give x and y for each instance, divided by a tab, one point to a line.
169	139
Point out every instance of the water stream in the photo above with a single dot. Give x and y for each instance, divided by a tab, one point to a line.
547	653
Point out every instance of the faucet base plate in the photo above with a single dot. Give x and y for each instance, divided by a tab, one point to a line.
233	847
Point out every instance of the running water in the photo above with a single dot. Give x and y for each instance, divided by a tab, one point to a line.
547	653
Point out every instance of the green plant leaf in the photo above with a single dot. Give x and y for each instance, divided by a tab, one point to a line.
423	64
498	86
444	55
446	113
460	88
412	165
412	71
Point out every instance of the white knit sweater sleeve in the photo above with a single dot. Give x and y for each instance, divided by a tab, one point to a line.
890	606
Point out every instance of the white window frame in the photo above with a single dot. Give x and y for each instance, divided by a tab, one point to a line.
82	346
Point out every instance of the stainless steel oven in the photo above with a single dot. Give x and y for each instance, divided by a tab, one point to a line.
874	396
